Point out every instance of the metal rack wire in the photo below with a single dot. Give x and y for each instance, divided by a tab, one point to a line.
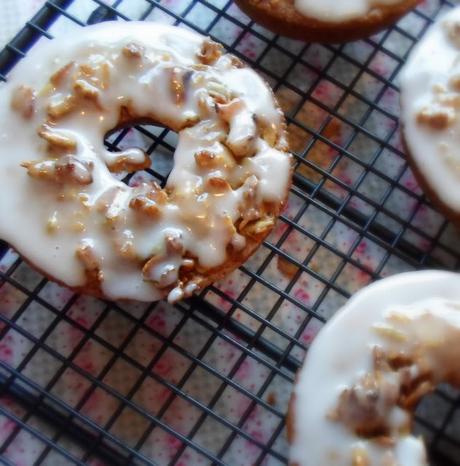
355	214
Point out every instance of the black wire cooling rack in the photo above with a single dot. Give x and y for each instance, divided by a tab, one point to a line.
355	214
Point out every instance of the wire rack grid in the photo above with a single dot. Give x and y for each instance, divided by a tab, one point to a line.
84	381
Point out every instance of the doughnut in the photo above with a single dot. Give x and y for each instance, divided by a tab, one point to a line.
369	366
430	113
327	21
64	207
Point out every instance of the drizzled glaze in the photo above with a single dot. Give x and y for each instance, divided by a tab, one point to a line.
63	208
352	403
430	108
333	11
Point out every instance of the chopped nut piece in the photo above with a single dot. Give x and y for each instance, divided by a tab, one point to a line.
191	288
59	109
360	457
217	184
160	273
52	225
205	159
129	160
436	117
155	193
179	78
61	74
454	82
238	242
384	441
124	245
23	101
85	253
259	227
175	295
241	139
57	140
236	62
210	52
388	331
268	131
67	169
218	92
133	50
364	407
106	199
174	243
411	400
188	264
86	90
145	206
105	76
453	32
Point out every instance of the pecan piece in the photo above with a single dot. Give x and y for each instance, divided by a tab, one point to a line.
174	243
61	108
61	74
87	256
242	137
436	118
159	272
259	227
133	50
23	101
86	90
179	78
67	169
210	52
128	160
143	205
217	184
57	140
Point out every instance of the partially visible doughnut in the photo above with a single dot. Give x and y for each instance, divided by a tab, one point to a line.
430	113
62	206
329	21
367	369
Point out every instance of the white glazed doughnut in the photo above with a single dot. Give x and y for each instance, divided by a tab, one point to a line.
334	11
326	20
430	112
65	211
392	343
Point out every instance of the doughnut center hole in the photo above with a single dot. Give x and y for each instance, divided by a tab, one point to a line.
437	416
157	141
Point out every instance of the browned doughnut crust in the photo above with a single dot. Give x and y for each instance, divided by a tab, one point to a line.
280	16
92	287
290	420
452	215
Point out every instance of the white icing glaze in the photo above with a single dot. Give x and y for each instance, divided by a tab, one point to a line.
338	11
156	71
411	313
430	106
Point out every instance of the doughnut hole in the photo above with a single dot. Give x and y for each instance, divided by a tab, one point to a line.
157	141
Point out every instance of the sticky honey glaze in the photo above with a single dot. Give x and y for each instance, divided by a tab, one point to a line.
390	345
64	209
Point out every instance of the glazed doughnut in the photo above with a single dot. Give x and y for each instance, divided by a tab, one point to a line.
63	207
430	111
327	21
365	372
